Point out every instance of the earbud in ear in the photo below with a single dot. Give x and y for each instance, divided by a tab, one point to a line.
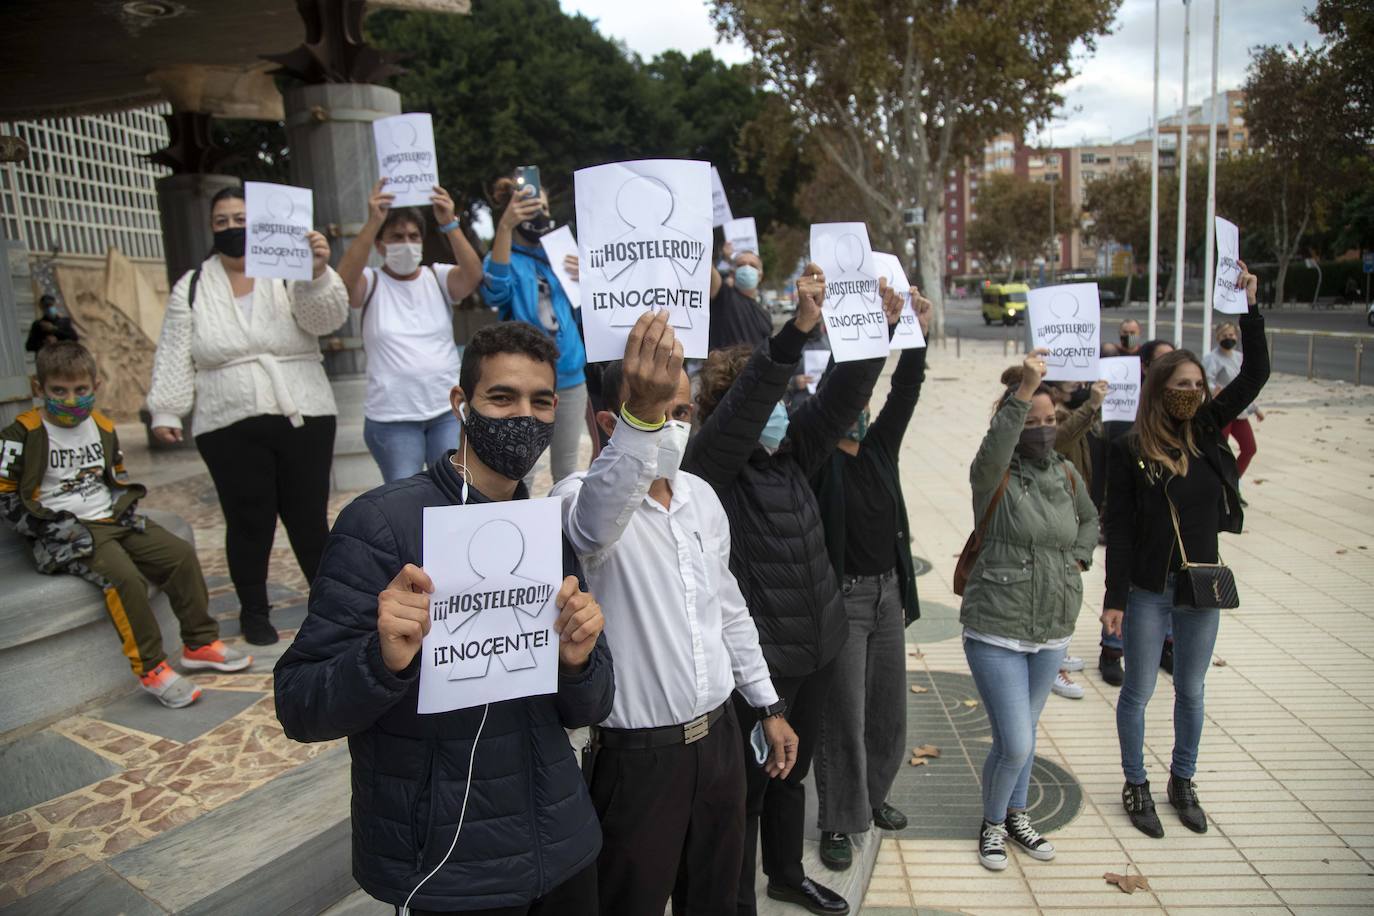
462	414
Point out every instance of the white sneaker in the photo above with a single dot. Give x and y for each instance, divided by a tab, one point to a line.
992	846
1071	663
1067	688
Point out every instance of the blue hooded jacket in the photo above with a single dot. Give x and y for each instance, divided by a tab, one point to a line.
513	289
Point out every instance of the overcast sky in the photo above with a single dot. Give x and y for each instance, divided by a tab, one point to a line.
1108	100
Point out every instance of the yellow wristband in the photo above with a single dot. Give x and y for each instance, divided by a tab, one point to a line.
638	423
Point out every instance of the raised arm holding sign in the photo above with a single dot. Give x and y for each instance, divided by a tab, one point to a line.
646	244
280	223
853	308
1066	321
406	157
908	335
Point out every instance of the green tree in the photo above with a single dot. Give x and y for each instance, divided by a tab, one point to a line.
1013	224
897	92
1304	145
1348	27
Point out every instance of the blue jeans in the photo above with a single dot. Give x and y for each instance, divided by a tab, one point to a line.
403	448
1147	619
1014	687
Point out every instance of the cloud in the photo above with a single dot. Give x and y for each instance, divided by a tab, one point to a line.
1110	97
684	25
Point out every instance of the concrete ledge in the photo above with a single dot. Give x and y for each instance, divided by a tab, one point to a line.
58	650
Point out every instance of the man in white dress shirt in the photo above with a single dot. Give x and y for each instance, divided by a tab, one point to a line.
668	773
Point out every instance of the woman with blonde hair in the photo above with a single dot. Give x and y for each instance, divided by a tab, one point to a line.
1171	488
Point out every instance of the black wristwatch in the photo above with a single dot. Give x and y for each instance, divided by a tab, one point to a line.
777	709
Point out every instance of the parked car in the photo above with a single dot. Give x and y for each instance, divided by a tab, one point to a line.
1109	298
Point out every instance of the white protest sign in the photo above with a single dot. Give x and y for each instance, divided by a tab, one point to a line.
1066	320
279	217
406	158
908	334
1123	388
720	204
813	366
1227	294
742	234
646	245
852	310
496	568
558	244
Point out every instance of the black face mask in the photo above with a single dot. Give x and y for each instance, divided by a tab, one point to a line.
231	242
1229	343
534	229
508	445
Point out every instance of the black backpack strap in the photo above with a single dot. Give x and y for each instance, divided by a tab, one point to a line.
371	291
195	282
443	290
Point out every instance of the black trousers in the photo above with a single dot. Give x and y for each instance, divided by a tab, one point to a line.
574	897
775	809
672	823
264	467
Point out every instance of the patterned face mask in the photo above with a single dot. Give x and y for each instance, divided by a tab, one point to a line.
508	445
69	411
1181	403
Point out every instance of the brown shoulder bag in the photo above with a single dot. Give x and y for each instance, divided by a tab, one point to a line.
969	555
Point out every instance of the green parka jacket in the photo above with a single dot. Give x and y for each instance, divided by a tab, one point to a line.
1026	583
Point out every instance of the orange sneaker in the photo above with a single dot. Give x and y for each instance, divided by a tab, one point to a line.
171	689
215	655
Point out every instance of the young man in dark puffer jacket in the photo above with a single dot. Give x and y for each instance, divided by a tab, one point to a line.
529	837
760	464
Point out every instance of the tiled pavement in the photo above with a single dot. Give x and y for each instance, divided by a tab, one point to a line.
1286	768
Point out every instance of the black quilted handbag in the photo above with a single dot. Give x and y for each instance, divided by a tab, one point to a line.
1200	586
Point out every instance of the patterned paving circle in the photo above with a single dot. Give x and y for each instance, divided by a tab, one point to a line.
942	798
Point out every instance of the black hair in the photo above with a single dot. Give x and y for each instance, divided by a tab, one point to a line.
1147	351
612	382
413	215
231	193
47	299
506	337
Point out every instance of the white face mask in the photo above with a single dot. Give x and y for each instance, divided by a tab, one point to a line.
403	258
672	444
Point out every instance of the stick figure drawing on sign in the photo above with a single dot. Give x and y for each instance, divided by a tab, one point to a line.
503	600
856	288
1078	337
645	204
290	249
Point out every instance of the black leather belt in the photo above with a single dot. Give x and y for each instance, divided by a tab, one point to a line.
666	736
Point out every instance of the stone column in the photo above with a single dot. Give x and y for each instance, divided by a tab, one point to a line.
329	129
16	396
183	202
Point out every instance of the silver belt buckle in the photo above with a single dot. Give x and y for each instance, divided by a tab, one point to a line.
696	730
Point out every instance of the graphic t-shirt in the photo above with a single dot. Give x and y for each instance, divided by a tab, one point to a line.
412	361
74	480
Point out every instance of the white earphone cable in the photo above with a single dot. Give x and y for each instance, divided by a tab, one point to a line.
405	907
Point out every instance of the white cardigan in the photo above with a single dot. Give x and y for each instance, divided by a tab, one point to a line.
230	367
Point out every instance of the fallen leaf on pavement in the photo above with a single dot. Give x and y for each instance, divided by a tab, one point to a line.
926	750
1259	480
1129	884
918	761
1219	662
917	688
971	704
1342	550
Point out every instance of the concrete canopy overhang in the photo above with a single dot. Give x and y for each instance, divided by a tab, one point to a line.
67	57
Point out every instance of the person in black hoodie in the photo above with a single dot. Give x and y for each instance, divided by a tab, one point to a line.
761	465
1172	487
863	726
531	838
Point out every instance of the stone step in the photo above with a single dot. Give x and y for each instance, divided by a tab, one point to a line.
58	650
281	850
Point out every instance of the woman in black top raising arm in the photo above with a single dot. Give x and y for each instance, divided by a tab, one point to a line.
1173	460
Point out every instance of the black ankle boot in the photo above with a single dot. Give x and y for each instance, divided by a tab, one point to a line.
1183	796
256	625
1141	808
1109	663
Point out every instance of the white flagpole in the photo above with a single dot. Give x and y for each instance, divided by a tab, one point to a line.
1154	190
1182	183
1209	256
